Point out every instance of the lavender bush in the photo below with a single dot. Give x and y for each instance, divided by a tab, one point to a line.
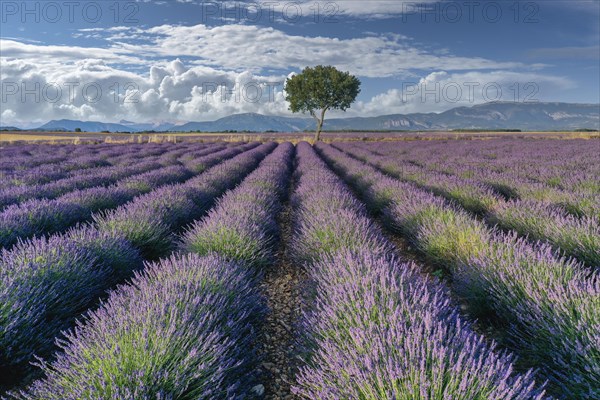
536	293
382	332
242	225
47	282
42	294
149	220
183	328
77	179
576	237
179	330
36	217
374	327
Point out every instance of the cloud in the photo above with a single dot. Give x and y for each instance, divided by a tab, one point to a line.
569	53
176	91
242	47
441	91
585	6
379	9
14	49
332	11
92	90
199	72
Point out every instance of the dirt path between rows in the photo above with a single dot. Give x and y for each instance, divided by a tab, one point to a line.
282	288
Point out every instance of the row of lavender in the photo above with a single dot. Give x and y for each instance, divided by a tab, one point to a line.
562	173
44	216
549	306
56	163
124	165
26	156
570	165
575	236
375	328
185	327
47	282
21	158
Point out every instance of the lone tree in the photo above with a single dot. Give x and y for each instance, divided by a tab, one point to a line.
316	90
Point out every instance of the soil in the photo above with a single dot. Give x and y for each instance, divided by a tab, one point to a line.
282	287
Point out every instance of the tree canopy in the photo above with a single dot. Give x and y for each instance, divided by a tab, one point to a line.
316	90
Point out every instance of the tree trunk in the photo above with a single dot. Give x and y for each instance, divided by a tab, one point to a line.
319	125
318	132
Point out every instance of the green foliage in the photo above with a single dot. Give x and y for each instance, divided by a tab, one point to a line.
230	243
446	236
316	90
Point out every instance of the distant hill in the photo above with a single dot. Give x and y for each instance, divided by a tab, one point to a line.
68	125
157	126
524	116
247	122
496	115
86	126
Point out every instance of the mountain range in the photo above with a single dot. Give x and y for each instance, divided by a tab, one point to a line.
495	115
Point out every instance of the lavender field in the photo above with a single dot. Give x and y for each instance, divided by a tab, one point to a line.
424	269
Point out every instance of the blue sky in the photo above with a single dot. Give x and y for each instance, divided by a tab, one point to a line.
199	60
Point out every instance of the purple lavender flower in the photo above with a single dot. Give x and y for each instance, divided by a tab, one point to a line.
549	303
375	328
181	329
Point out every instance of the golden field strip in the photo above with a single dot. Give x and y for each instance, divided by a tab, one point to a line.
9	137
